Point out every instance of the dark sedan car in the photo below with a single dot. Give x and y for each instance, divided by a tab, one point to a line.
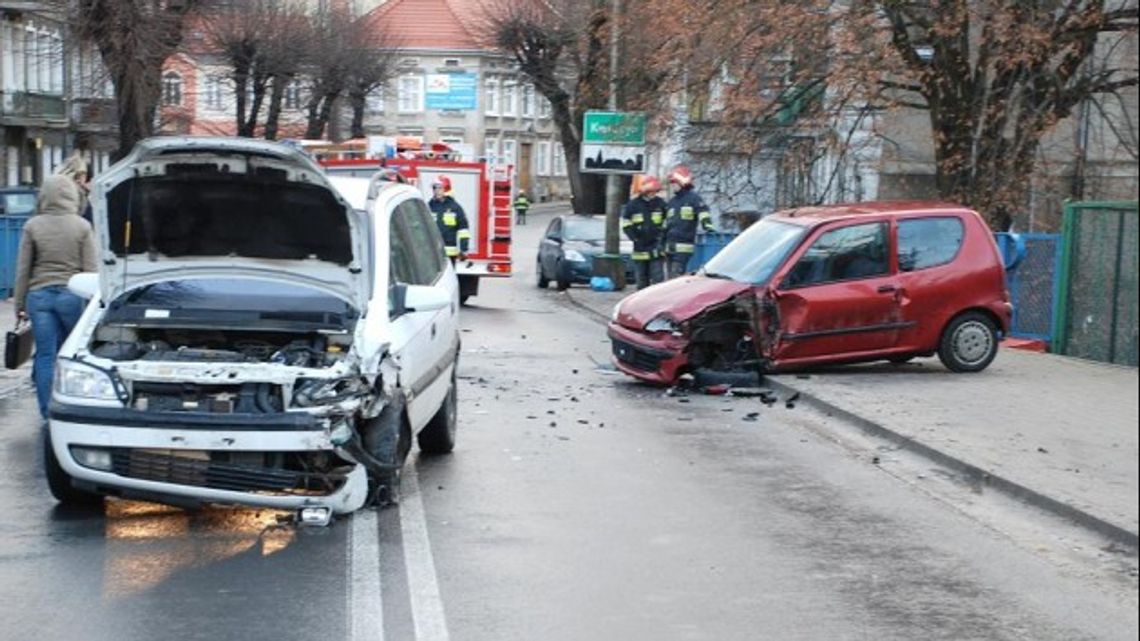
566	253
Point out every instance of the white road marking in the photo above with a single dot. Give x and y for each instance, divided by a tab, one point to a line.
365	604
423	587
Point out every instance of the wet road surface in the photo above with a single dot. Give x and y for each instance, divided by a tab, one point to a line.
578	506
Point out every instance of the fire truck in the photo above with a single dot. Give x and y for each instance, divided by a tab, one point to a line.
485	192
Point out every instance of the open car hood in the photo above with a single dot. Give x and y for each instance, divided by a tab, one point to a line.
679	299
178	208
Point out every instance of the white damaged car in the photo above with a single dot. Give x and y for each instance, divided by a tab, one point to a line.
255	335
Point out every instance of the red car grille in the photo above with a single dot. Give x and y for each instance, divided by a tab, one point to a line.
636	357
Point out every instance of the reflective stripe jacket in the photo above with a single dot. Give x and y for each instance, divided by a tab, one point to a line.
642	221
452	223
686	211
522	204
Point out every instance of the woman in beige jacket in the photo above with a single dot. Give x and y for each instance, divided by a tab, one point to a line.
56	245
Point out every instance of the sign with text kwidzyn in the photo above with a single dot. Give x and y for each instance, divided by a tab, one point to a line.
614	143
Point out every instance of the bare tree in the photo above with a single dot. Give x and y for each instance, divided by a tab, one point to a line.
994	76
134	39
329	68
561	46
372	51
287	53
263	44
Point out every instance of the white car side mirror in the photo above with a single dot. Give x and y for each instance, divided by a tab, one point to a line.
425	298
84	285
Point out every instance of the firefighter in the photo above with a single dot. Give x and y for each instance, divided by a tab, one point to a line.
451	219
686	212
641	220
521	206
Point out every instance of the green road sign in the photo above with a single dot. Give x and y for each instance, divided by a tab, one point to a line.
614	128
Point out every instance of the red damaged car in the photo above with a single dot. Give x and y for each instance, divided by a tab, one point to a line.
821	285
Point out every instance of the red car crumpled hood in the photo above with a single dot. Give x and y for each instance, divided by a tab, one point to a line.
679	299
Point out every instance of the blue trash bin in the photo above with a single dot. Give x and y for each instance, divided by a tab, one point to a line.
707	246
11	228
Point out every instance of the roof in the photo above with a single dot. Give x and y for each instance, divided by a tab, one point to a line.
431	24
885	207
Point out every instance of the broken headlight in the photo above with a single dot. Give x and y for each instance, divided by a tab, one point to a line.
325	391
662	324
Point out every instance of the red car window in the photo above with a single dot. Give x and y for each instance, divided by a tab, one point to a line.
929	242
847	253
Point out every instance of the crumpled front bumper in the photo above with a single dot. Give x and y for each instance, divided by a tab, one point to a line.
655	358
350	494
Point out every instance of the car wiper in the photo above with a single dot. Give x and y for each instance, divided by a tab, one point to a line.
716	275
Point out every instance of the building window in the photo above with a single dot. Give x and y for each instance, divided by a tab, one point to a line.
491	151
374	101
491	96
171	89
292	95
508	156
13	166
559	160
213	93
411	94
543	107
542	159
528	101
31	60
46	59
8	57
510	99
56	63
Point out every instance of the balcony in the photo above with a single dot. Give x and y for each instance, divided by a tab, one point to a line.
94	114
32	106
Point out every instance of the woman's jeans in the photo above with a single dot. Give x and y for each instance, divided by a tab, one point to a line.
54	311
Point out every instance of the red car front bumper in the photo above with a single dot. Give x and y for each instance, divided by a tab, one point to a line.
655	358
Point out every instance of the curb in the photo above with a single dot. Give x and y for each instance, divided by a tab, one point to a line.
590	311
974	474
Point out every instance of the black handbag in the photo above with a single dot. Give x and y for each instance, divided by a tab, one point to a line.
18	345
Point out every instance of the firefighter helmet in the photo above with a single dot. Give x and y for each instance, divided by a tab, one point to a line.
649	185
444	182
681	176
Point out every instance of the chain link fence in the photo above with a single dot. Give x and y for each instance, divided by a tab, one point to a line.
1097	312
1033	263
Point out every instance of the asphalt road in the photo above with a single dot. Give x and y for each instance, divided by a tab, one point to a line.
578	506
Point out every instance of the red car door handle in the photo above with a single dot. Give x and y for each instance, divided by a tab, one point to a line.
887	289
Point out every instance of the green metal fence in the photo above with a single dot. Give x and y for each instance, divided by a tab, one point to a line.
1096	314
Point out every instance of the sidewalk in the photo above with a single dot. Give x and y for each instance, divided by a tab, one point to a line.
1056	432
12	381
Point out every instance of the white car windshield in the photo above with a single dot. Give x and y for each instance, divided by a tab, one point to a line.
756	253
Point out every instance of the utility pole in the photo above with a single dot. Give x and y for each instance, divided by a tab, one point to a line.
613	265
